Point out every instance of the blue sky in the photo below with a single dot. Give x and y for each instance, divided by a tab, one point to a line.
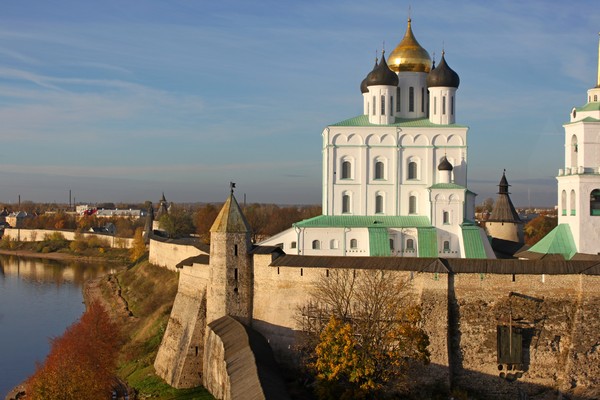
122	100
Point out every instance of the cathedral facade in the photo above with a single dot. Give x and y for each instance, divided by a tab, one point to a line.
395	177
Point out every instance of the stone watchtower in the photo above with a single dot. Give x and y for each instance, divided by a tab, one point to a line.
230	285
504	222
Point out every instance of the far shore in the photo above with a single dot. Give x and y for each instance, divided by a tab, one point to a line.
54	256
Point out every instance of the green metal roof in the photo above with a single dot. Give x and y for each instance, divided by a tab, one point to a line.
586	119
379	242
473	242
427	242
362	221
447	186
595	106
363	120
558	241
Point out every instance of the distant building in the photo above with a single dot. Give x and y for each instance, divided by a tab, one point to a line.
395	177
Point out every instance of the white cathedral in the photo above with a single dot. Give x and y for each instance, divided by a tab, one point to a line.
395	177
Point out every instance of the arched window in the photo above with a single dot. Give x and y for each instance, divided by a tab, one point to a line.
573	202
563	202
446	217
398	104
382	105
410	245
446	246
443	105
574	151
411	99
374	106
379	170
412	205
353	244
346	170
435	106
392	244
378	204
412	170
595	98
391	105
316	245
595	202
333	244
345	203
452	105
422	99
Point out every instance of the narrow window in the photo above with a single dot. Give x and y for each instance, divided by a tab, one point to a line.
563	203
374	105
277	270
316	245
392	244
378	204
235	274
327	273
446	217
412	170
410	245
196	351
573	202
446	246
452	105
443	105
293	245
353	243
422	99
301	272
398	100
595	202
411	99
333	244
435	106
346	170
412	205
595	98
235	250
345	204
391	105
382	105
379	170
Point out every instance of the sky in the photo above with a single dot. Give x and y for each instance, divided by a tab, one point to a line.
123	100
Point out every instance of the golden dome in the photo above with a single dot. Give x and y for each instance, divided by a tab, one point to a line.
409	55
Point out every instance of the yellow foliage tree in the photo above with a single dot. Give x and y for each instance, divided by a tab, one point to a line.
139	246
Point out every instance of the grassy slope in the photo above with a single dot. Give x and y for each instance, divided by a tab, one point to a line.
149	292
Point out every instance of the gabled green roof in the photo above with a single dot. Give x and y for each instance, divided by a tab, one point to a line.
427	242
379	242
558	241
361	221
450	186
363	120
586	119
473	242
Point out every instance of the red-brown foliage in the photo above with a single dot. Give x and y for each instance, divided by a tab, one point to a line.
81	363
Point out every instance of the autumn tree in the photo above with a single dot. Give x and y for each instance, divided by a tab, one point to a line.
539	227
204	219
362	333
139	246
81	363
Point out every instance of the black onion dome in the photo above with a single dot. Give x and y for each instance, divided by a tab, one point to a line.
445	165
382	75
443	75
363	84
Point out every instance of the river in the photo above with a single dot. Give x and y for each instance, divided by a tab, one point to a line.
38	300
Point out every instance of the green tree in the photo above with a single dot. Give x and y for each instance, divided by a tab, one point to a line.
177	223
365	331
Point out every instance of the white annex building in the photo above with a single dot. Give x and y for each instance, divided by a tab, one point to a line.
578	229
395	176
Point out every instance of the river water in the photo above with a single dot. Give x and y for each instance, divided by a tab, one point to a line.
38	300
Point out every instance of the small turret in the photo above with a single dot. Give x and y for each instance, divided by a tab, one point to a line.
442	82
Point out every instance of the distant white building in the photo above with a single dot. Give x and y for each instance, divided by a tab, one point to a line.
578	229
395	177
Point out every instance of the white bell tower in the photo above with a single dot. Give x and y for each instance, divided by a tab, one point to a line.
579	180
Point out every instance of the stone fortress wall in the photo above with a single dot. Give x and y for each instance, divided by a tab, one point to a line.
38	235
553	305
